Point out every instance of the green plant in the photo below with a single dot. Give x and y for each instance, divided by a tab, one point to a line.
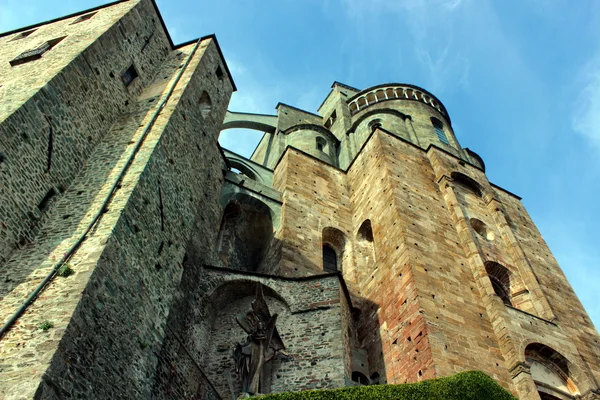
46	325
65	270
472	385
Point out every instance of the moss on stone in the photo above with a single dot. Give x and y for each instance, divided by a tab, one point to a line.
472	385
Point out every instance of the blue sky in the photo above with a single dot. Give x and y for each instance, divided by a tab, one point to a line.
520	79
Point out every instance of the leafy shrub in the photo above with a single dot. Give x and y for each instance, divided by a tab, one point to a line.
472	385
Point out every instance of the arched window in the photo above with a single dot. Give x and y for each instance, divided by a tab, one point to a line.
334	246
375	378
360	378
245	235
375	124
551	372
329	259
365	247
205	104
467	182
242	168
365	232
321	143
438	126
500	278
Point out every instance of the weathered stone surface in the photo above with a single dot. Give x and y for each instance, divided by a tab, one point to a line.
167	236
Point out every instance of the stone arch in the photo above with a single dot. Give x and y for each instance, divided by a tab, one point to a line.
554	375
246	169
509	286
245	233
257	122
375	379
360	378
239	287
335	239
467	182
374	124
372	112
365	246
321	144
500	278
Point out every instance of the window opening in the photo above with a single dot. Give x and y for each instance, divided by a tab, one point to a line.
360	378
375	380
500	279
439	130
375	124
205	104
551	372
321	143
50	149
47	200
129	75
83	18
329	259
35	54
467	182
331	120
23	35
219	73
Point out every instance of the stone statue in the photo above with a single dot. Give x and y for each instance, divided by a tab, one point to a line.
261	345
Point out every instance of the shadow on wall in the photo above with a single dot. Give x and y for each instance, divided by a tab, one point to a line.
246	235
330	344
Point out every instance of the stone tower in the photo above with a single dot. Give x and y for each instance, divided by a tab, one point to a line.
130	241
445	271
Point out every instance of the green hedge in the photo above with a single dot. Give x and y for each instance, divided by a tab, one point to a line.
472	385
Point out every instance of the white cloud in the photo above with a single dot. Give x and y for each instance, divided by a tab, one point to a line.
586	115
431	24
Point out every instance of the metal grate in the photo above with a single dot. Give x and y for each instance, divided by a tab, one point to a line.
439	130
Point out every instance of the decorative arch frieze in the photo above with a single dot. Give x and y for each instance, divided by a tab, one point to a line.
370	113
313	127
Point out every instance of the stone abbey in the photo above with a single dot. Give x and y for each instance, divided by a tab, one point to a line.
358	245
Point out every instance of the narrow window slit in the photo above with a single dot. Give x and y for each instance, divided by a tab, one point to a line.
50	148
47	200
160	205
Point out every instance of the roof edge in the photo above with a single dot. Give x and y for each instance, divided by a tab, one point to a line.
50	21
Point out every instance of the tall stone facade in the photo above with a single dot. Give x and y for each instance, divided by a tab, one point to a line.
130	241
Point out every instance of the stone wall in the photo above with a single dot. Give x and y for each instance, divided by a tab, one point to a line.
108	319
309	206
61	104
310	313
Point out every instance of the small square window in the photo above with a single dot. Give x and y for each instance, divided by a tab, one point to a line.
129	75
83	18
23	35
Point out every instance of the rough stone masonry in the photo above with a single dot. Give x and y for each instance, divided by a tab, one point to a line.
130	241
